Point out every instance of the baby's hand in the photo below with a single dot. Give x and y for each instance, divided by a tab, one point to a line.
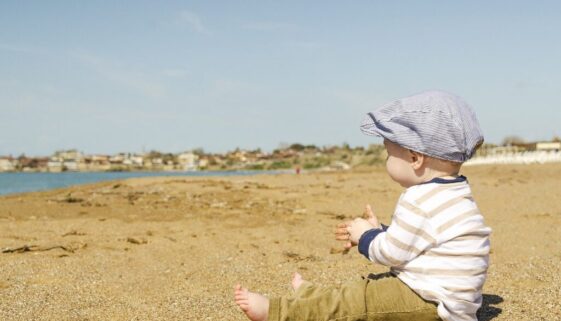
356	228
351	231
370	217
342	234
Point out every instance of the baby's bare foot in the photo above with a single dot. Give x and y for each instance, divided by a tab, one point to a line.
254	305
297	281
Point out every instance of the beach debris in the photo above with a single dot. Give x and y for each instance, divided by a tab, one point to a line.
170	238
132	197
72	247
68	198
73	232
333	215
90	204
71	199
218	204
337	250
298	258
137	240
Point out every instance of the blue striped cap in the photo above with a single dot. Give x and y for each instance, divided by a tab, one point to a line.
435	123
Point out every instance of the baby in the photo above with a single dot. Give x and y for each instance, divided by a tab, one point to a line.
437	245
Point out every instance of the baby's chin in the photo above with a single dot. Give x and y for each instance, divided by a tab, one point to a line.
405	182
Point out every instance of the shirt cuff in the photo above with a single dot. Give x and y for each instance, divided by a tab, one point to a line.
367	238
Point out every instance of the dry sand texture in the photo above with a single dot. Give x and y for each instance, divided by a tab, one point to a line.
172	248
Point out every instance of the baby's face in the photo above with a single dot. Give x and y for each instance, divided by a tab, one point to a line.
399	164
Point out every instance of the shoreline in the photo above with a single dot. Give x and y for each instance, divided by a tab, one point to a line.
52	180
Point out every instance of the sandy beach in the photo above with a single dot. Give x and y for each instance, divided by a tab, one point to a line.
173	248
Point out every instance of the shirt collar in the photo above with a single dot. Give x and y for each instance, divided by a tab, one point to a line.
440	180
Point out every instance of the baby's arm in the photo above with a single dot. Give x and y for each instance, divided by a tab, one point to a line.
409	234
402	241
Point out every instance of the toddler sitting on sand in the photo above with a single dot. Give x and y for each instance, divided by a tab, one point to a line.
437	245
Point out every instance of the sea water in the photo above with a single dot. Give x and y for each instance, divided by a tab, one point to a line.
11	183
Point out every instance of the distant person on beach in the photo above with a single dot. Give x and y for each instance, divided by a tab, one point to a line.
437	245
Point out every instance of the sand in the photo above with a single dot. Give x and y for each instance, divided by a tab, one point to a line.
173	248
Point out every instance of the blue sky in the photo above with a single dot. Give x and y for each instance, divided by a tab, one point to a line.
105	77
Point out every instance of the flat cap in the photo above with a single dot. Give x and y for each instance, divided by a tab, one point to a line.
435	123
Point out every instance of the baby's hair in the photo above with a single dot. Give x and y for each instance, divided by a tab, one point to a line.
449	162
447	165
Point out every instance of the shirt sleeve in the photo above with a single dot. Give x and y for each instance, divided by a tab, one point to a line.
409	234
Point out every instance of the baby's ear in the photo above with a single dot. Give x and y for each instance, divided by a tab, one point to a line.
417	159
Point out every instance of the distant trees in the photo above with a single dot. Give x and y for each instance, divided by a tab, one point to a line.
199	151
300	147
513	140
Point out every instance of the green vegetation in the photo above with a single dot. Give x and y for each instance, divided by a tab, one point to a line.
255	167
317	162
280	165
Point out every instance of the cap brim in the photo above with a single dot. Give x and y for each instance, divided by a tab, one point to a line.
369	126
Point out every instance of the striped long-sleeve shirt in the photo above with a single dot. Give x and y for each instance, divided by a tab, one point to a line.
438	245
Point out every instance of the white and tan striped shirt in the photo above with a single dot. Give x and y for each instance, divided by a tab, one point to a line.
438	245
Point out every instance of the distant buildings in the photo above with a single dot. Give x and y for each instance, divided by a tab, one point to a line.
188	161
519	153
7	164
295	156
54	165
97	163
548	146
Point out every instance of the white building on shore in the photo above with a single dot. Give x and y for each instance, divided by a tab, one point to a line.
548	146
188	161
7	164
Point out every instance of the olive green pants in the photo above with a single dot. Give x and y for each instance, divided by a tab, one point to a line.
378	297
